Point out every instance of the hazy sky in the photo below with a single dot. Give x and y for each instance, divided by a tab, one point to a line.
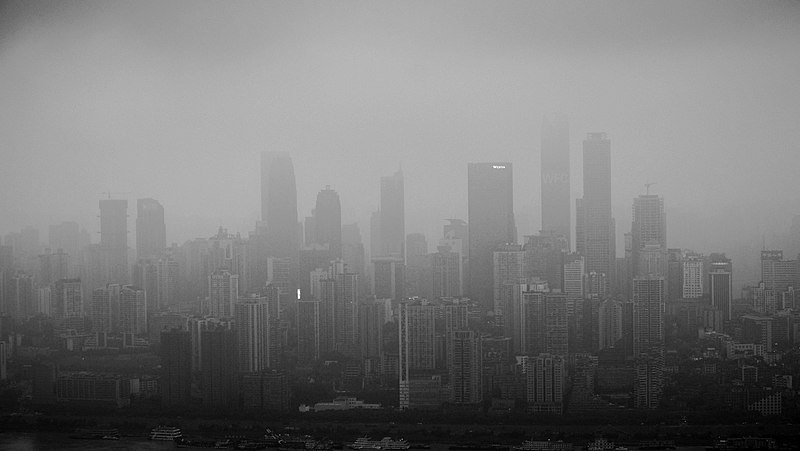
175	100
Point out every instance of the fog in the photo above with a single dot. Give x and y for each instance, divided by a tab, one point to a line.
176	101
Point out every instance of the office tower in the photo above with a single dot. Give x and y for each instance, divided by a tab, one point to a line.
595	227
44	301
508	267
132	311
114	239
312	258
692	277
353	252
556	203
176	368
539	322
649	237
266	391
101	310
674	273
648	311
223	291
465	369
371	319
256	320
546	375
196	326
219	368
279	204
68	299
65	236
417	265
339	296
778	274
416	329
145	276
389	278
544	258
3	360
720	282
167	273
610	323
574	276
446	273
328	222
53	266
151	230
392	216
455	319
308	331
491	224
18	295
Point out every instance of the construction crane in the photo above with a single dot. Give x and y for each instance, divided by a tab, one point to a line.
648	185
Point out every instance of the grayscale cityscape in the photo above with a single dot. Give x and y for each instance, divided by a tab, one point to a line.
374	225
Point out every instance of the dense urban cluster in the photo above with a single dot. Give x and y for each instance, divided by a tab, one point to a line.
304	317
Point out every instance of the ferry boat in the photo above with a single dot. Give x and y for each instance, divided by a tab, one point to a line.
165	433
386	443
96	434
544	445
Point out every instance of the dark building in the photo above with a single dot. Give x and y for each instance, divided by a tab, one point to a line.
327	222
114	239
267	391
176	367
491	224
151	230
556	203
595	238
392	216
720	283
279	204
219	368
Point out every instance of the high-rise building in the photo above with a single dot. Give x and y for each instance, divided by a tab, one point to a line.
68	296
114	239
176	368
539	321
595	238
151	230
219	368
648	314
491	224
132	311
544	258
546	374
53	266
371	319
328	221
555	177
389	277
392	216
3	360
417	265
610	315
776	273
465	368
308	330
353	252
692	277
257	323
648	384
446	273
339	296
279	204
720	282
574	276
223	291
649	236
167	271
508	267
417	329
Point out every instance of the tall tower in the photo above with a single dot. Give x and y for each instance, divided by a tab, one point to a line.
328	221
648	314
465	368
720	283
176	364
151	230
649	235
114	238
256	320
556	202
279	204
393	216
491	224
595	226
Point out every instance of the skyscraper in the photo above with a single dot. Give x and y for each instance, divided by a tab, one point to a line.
219	367
176	367
256	320
393	216
114	238
720	283
508	266
223	291
546	375
648	314
649	236
595	226
328	221
416	328
279	204
151	230
491	224
132	311
465	368
556	203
